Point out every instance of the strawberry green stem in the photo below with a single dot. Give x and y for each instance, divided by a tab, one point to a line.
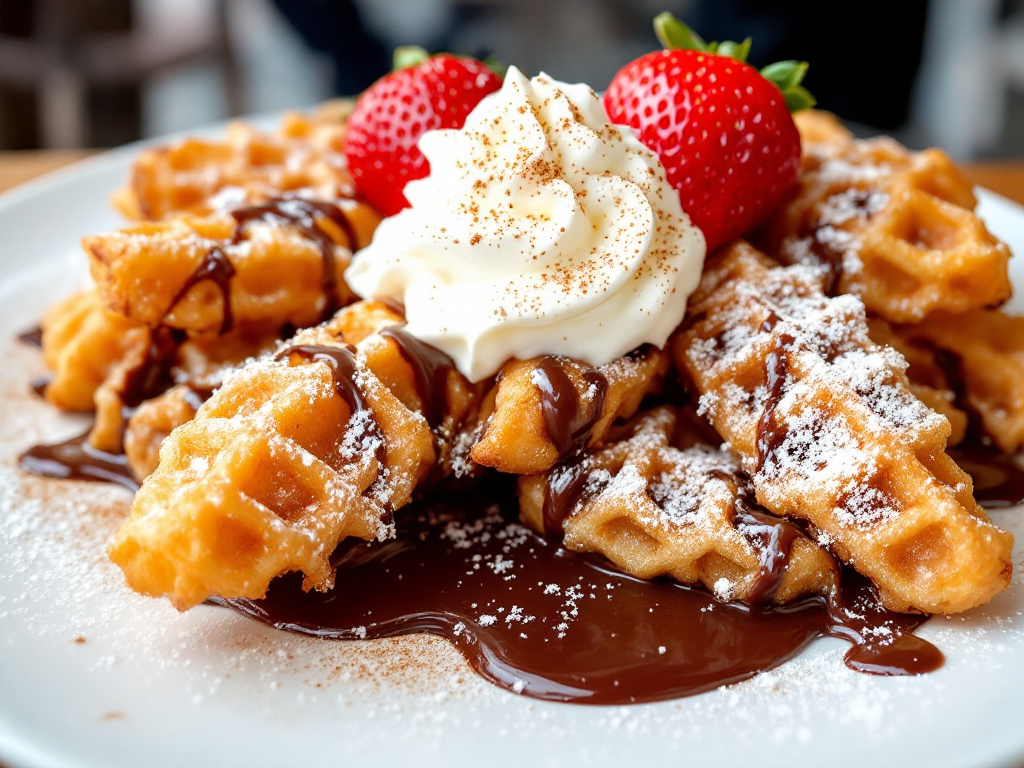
407	56
674	35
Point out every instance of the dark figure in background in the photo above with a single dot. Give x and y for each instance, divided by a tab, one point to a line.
864	54
335	27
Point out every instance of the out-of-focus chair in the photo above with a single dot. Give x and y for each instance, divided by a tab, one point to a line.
974	58
62	50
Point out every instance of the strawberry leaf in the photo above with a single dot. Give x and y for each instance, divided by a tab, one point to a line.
738	51
787	76
496	66
407	56
799	98
674	35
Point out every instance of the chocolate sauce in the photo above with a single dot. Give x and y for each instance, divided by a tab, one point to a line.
770	433
431	368
567	423
294	211
217	268
855	614
774	537
39	384
33	337
342	362
152	377
537	619
76	459
566	486
998	479
302	214
824	249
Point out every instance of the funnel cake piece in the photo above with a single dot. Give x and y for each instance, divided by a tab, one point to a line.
656	510
248	166
151	423
292	454
928	381
545	409
82	344
423	381
895	227
980	356
826	426
110	364
274	263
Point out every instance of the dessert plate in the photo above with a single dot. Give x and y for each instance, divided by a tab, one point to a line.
92	674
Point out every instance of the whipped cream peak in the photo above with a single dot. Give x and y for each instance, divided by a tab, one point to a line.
541	229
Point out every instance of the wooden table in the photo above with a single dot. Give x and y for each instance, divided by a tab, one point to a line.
1006	178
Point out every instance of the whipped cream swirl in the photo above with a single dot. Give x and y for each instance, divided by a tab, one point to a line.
541	229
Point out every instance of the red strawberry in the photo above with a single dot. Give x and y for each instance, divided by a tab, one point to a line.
722	129
422	93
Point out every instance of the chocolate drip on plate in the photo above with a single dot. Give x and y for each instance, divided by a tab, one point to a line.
76	459
33	337
540	633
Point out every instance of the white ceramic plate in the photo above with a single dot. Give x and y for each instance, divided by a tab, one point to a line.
92	674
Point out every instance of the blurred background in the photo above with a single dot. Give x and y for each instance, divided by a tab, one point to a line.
96	73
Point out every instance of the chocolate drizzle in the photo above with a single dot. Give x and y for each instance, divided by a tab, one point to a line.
566	486
770	432
217	268
342	363
302	214
293	211
636	642
152	377
568	424
431	368
998	479
822	245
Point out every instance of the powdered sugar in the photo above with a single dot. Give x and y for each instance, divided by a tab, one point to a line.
841	401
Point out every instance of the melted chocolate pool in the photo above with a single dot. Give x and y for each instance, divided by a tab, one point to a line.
76	459
542	621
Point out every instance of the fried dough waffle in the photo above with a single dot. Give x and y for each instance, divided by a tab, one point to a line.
289	456
547	408
827	428
655	510
980	356
894	227
110	364
248	166
82	344
275	263
928	381
151	423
